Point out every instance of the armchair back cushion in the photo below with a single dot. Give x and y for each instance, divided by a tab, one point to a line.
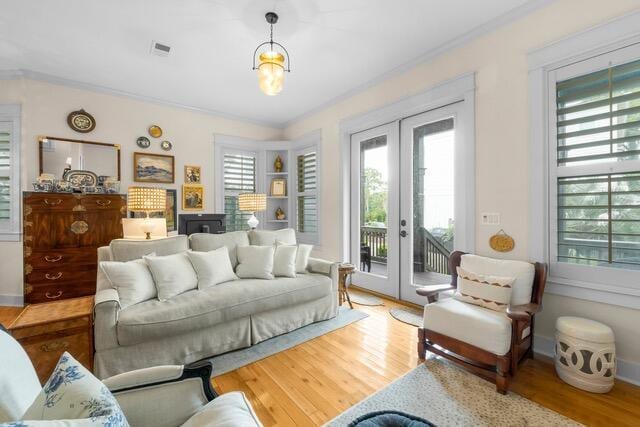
522	271
128	250
19	383
204	242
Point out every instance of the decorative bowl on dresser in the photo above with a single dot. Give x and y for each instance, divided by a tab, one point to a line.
47	330
62	233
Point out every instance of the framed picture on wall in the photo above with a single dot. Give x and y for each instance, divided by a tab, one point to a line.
191	174
192	197
170	212
156	168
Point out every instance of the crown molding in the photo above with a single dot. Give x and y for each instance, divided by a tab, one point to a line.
61	81
479	31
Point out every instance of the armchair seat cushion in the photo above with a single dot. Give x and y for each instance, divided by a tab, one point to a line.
198	309
481	327
228	410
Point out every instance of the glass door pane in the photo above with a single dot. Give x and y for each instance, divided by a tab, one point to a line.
374	197
375	208
427	201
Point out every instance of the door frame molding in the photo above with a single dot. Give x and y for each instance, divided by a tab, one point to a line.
460	89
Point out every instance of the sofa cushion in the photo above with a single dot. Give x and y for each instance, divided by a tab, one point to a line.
212	267
522	271
205	242
487	329
173	274
132	280
197	309
128	250
255	262
268	238
302	256
284	261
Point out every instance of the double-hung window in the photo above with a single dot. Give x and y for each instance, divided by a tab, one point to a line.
306	199
594	168
9	172
239	176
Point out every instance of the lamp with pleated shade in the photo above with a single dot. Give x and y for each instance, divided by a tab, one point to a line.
146	199
252	202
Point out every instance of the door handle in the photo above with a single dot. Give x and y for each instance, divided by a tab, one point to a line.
403	233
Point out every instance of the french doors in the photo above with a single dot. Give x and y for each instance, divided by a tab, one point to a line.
403	203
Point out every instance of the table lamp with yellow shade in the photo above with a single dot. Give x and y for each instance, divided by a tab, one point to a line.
252	202
147	200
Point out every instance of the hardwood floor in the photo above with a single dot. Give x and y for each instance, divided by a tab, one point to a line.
317	380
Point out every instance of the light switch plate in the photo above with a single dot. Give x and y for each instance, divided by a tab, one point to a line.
490	219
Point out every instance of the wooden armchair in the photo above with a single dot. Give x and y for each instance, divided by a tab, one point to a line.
489	343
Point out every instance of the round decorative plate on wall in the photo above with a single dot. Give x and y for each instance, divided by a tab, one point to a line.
155	131
143	142
81	121
166	145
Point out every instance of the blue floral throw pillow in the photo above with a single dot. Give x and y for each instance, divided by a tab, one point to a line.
73	393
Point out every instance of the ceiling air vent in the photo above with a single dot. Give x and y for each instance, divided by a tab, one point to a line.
160	49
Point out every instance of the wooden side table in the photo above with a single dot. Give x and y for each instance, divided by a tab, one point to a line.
49	329
344	272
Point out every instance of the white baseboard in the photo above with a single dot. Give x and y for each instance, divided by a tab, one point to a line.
626	370
12	300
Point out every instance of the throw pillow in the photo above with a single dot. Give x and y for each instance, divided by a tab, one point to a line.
255	262
302	256
72	392
173	274
493	292
132	280
212	267
284	261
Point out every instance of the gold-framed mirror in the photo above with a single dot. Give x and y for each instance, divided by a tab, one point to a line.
58	155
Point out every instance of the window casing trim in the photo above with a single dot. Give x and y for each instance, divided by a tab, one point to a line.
599	284
10	231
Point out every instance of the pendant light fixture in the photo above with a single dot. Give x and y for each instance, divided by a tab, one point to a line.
272	64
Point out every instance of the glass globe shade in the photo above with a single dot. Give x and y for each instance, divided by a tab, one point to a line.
271	72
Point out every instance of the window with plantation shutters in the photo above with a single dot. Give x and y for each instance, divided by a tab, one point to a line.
9	172
595	169
239	176
306	193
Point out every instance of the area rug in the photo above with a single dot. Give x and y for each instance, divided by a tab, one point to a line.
412	316
365	299
236	359
449	396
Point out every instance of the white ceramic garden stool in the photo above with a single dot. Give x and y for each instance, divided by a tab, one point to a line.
585	354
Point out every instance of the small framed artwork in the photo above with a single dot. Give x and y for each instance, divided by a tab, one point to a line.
170	212
157	168
192	174
279	187
192	197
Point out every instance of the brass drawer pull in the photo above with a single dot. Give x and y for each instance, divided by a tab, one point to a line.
56	277
55	345
52	259
103	202
55	202
57	295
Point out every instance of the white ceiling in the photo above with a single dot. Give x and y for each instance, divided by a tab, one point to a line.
336	46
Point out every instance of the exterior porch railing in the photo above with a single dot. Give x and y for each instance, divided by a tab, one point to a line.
429	253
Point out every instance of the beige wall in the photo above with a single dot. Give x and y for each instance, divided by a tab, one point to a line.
119	120
499	60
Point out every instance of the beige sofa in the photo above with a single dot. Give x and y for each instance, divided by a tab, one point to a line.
202	323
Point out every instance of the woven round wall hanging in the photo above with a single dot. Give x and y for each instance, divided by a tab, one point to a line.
502	242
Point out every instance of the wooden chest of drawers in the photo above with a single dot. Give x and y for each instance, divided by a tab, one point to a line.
62	233
47	330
